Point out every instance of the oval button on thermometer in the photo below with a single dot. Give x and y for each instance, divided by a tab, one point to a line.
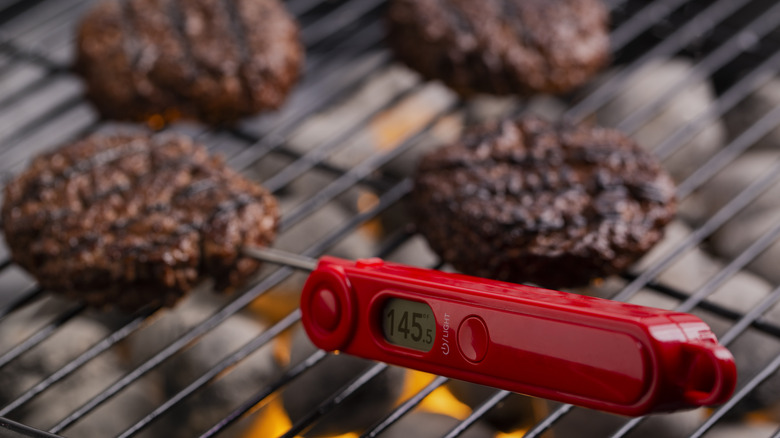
602	354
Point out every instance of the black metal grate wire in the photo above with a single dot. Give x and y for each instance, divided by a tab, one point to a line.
734	42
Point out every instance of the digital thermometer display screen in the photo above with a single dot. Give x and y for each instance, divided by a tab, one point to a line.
408	324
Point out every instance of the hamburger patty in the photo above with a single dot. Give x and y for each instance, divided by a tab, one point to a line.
213	60
527	201
502	46
131	220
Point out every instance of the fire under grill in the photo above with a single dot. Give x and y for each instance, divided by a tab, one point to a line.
694	80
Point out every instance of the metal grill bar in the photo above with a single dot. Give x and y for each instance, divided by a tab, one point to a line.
760	325
716	221
24	300
405	407
724	54
215	371
346	14
301	7
718	162
335	399
357	173
40	336
640	22
20	430
730	98
273	139
319	153
703	22
548	421
20	132
287	377
77	363
478	412
32	87
732	268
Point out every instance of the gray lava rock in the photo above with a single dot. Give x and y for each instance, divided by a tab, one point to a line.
586	423
483	108
318	225
546	107
643	88
512	413
430	425
735	178
447	130
730	430
14	282
756	105
735	236
363	409
689	270
395	125
479	109
415	251
214	401
375	93
693	269
67	343
741	292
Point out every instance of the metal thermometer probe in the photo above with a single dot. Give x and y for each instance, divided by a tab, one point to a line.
612	356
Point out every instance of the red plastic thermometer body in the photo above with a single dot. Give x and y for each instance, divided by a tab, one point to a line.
602	354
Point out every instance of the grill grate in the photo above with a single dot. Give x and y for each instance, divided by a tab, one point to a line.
733	42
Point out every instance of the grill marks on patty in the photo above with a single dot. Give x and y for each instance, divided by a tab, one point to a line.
217	60
131	220
528	201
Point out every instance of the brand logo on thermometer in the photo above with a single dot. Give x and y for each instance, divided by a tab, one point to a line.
445	335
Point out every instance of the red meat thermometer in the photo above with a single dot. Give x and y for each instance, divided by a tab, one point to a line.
601	354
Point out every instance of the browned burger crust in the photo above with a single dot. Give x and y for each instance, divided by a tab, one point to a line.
131	220
528	201
214	60
502	46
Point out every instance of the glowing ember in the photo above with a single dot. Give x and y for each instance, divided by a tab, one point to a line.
157	122
273	421
276	304
270	421
440	401
395	125
366	201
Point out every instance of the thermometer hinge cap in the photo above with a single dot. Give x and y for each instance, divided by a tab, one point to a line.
328	309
